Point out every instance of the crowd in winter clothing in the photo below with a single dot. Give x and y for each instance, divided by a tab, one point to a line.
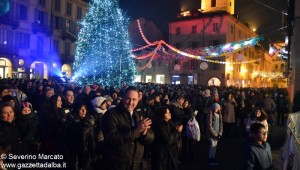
92	129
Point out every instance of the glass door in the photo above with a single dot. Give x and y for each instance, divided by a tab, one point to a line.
2	72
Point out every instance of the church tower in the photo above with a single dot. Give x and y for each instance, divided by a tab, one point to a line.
217	5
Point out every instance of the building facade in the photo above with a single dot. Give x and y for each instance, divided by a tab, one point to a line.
155	71
38	37
202	30
213	25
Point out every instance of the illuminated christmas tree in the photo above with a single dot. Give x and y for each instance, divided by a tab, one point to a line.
103	48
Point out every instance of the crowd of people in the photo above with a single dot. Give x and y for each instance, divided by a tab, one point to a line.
135	127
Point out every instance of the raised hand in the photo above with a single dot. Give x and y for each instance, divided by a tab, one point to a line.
144	124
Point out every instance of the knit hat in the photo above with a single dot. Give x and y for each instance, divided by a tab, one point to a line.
98	101
216	106
26	104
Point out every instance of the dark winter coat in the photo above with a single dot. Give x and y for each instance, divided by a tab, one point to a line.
164	153
178	115
80	140
28	126
189	110
256	156
51	124
141	109
68	107
268	105
98	116
196	102
10	135
251	103
282	105
124	145
241	107
228	111
43	104
206	103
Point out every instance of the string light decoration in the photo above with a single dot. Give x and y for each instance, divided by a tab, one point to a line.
151	54
212	51
103	52
269	75
142	33
203	54
231	47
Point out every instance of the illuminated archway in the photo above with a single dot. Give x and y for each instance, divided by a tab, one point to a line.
66	69
38	70
5	68
214	82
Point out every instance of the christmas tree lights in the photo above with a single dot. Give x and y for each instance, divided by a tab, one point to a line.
103	47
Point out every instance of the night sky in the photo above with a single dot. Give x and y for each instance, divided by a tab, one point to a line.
267	21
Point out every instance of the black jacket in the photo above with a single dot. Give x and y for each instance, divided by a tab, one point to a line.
79	139
124	145
10	136
179	117
164	148
28	125
9	133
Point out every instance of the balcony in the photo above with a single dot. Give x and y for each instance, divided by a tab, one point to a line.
67	34
10	20
67	58
42	28
8	50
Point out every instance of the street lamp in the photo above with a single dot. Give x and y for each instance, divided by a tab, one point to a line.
54	65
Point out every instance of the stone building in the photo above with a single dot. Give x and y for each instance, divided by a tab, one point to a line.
38	37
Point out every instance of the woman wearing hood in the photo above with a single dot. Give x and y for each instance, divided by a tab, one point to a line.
100	107
27	123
